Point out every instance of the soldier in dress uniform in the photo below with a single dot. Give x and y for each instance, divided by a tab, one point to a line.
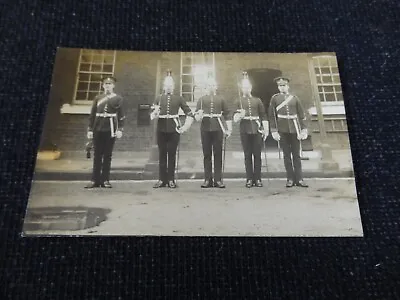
106	122
253	131
286	115
209	111
169	129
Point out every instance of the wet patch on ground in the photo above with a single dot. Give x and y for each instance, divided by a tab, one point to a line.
63	218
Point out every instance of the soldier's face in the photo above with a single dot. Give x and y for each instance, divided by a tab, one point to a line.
108	86
212	88
283	88
246	89
169	88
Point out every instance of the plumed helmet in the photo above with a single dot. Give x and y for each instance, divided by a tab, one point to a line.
245	83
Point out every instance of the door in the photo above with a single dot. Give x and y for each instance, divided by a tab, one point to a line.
264	88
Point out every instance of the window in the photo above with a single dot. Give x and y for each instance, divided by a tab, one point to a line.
328	79
195	69
92	67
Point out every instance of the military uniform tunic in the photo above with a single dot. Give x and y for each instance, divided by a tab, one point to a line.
250	136
288	121
106	117
167	136
215	110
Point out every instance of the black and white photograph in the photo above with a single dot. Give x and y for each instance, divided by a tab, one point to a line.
144	143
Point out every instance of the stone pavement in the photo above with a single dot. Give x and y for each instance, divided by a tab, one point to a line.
134	166
329	207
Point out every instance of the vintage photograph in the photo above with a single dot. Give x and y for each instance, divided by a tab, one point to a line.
143	143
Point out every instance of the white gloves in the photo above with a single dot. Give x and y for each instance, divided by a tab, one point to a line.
155	113
90	135
239	115
199	115
118	134
303	134
276	136
266	130
186	126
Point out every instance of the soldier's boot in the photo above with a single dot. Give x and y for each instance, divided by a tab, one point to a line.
207	183
172	184
92	185
219	184
249	183
258	183
301	183
107	184
160	184
289	183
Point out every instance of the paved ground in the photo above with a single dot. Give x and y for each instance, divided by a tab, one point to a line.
132	166
328	208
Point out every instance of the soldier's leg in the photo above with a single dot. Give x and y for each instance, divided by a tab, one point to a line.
207	152
257	146
296	158
287	155
98	152
172	147
247	149
217	149
162	156
107	156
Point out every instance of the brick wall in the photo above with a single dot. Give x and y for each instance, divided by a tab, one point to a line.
62	90
137	73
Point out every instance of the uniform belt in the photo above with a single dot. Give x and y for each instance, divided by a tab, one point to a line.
251	118
105	115
168	116
287	116
212	115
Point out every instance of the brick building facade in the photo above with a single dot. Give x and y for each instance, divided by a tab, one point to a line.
139	75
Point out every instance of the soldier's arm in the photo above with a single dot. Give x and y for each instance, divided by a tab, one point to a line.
236	106
186	109
198	104
261	111
92	115
225	110
121	115
272	115
300	113
156	102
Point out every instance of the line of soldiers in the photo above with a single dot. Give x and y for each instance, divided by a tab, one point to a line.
285	117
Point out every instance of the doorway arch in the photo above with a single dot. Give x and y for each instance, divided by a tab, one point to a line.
264	88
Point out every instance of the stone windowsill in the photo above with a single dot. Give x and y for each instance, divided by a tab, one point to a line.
80	109
329	109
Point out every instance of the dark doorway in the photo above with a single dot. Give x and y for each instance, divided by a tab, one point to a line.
264	87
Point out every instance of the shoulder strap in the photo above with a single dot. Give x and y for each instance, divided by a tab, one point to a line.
288	99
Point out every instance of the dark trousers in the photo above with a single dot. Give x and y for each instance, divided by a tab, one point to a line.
252	144
212	144
103	145
167	145
291	149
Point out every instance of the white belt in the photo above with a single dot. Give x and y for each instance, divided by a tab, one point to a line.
212	115
105	115
251	118
287	116
294	118
168	116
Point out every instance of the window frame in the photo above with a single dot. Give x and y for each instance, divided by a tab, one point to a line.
94	52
